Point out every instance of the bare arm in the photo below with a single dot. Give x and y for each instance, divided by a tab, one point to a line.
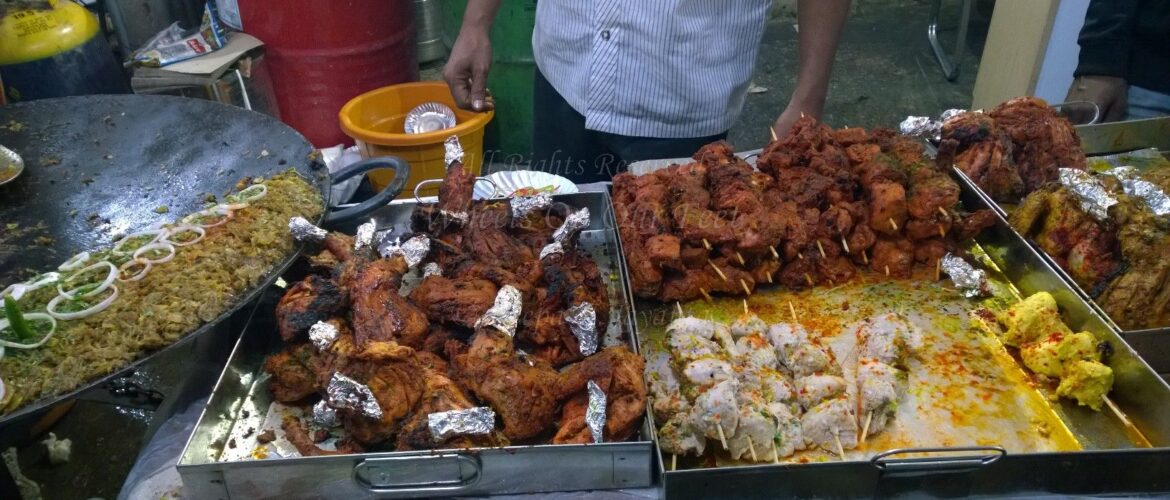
821	23
471	57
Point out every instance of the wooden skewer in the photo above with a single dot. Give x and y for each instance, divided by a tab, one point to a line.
745	287
673	462
706	295
773	131
943	211
865	428
678	306
942	233
793	311
864	258
745	308
706	244
769	274
893	224
845	245
717	270
775	454
800	256
752	449
808	279
722	438
739	257
1141	439
937	269
775	254
837	441
822	249
887	271
832	283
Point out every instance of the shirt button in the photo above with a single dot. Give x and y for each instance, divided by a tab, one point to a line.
605	34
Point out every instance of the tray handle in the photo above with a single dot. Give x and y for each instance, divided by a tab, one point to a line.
442	474
427	182
973	457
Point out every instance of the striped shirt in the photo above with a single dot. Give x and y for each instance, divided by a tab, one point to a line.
651	68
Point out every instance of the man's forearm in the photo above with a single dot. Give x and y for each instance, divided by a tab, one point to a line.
480	14
821	24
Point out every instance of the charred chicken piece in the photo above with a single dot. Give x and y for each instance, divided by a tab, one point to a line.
305	303
440	394
976	145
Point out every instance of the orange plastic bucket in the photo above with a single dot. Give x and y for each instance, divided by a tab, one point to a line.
375	121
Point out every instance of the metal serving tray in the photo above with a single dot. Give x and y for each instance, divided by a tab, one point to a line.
1110	464
1102	139
237	407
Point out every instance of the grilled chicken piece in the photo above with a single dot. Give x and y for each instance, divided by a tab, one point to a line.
460	302
440	394
293	372
392	372
305	303
522	394
618	372
1044	141
379	312
295	433
788	437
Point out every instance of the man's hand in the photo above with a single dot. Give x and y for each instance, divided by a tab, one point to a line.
466	71
793	112
1110	93
821	23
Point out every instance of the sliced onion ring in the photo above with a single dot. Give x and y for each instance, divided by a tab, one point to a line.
32	317
141	252
137	276
218	210
74	262
97	308
183	229
252	193
232	206
109	280
157	233
18	290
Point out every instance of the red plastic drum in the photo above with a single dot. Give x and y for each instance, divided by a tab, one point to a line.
323	53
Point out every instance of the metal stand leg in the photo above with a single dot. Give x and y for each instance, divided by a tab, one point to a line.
949	65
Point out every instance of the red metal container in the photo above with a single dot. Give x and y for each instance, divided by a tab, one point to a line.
323	53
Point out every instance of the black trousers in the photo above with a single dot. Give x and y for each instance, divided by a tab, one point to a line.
562	146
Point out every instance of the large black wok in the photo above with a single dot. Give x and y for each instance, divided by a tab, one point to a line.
97	167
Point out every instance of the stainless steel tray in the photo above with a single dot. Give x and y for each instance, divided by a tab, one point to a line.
1110	464
237	408
1101	139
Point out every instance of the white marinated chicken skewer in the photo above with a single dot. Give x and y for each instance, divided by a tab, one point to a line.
885	342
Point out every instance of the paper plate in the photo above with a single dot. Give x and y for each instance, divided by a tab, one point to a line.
516	182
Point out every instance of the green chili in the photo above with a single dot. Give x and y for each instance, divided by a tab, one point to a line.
16	320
